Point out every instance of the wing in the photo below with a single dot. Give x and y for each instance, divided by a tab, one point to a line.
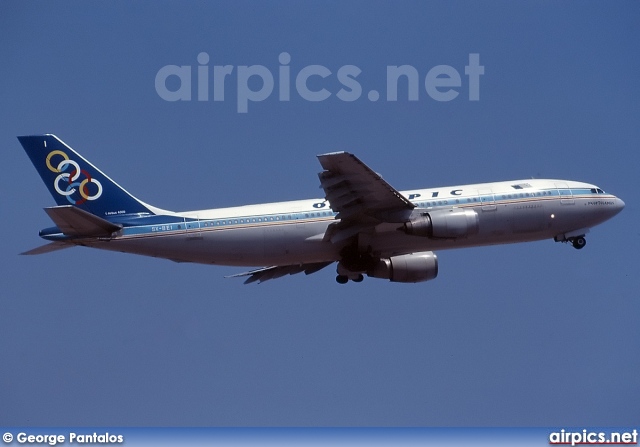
361	197
362	200
267	273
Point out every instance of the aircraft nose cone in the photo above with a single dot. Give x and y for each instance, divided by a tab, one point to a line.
618	206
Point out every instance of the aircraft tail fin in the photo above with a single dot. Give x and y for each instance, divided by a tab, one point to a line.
74	181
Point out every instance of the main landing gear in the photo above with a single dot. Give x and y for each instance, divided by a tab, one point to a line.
353	264
343	279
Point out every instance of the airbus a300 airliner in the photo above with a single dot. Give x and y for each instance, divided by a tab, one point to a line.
363	224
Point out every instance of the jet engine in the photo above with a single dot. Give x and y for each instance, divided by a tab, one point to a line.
444	224
414	267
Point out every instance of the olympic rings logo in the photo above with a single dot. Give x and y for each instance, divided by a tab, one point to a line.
66	183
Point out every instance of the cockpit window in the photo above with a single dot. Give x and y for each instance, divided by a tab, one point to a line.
600	191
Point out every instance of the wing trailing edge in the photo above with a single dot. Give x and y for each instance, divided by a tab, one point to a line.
277	271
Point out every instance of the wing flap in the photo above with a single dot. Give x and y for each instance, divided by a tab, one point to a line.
75	222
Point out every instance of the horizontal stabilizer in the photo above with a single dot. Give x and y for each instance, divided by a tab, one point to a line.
47	248
73	221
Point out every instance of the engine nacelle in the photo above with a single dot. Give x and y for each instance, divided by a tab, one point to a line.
414	267
444	224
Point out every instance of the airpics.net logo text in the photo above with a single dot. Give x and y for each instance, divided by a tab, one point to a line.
255	83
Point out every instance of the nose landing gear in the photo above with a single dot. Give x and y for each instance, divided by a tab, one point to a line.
578	242
575	237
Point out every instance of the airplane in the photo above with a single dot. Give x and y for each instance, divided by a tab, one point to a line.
363	223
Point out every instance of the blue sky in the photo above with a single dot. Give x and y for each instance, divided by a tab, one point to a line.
521	335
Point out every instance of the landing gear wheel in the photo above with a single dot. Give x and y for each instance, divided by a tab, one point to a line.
341	279
579	243
358	278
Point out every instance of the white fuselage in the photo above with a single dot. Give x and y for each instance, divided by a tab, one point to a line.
293	232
